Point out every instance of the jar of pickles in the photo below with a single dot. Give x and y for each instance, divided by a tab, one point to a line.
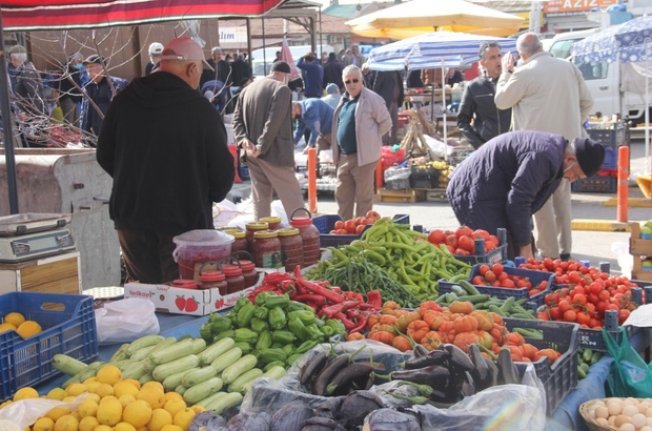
291	248
309	235
267	249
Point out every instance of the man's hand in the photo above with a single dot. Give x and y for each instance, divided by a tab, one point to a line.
250	149
508	63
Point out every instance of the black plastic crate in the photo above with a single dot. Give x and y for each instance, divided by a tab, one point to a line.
532	302
559	378
595	184
617	135
496	255
325	224
424	177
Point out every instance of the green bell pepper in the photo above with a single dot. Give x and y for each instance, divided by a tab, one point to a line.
277	319
296	326
261	313
258	325
264	341
245	335
277	300
245	314
306	317
283	337
271	355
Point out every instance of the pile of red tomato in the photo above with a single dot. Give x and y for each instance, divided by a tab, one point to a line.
461	242
496	276
355	225
589	293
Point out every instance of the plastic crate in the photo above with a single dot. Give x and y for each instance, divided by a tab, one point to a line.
496	255
604	182
68	323
614	136
532	302
559	378
325	224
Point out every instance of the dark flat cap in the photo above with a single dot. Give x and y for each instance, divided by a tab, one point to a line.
589	154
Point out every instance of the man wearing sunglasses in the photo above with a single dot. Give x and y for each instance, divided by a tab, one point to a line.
359	123
510	177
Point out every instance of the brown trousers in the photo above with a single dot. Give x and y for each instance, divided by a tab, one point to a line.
266	179
148	256
355	186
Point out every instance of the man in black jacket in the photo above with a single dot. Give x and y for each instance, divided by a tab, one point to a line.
510	177
478	105
165	146
333	72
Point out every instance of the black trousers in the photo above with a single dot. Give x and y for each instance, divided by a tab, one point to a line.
148	256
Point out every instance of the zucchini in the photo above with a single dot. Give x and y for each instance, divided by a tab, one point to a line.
144	341
121	353
122	363
180	364
226	359
147	377
238	385
232	372
202	390
171	382
168	341
222	403
275	373
90	371
198	375
67	364
148	364
139	355
198	346
209	399
170	353
180	389
216	349
135	370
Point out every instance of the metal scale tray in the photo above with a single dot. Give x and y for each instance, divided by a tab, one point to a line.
34	235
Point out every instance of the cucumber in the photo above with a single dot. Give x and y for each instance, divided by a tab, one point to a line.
209	399
147	340
139	355
232	372
198	375
276	372
184	363
216	349
222	403
238	385
175	351
67	364
202	390
226	359
171	382
135	370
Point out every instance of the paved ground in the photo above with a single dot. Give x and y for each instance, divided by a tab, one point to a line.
592	245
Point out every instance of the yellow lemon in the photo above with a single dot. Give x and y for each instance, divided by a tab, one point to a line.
184	417
92	386
103	428
109	411
56	394
153	396
109	374
43	424
173	396
69	399
173	406
124	388
4	327
124	426
172	428
28	328
134	382
104	390
66	423
75	389
198	409
138	413
88	408
24	393
94	397
89	423
14	318
56	412
90	380
126	399
155	385
160	418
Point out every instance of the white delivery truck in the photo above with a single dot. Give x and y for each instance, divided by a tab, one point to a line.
614	89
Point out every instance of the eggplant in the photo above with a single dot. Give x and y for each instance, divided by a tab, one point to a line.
434	357
434	375
480	368
346	376
507	372
458	358
468	386
291	417
313	366
321	423
355	407
328	373
392	420
492	375
444	397
250	422
419	351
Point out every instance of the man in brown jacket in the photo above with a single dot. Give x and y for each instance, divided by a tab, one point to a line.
262	125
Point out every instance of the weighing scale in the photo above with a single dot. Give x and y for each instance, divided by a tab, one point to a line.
31	236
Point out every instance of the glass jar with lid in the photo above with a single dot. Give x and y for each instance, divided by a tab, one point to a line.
240	243
272	221
253	228
267	249
291	248
309	235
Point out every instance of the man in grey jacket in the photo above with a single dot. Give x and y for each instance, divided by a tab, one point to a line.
549	95
359	123
262	125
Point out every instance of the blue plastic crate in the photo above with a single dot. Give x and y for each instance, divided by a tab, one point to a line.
325	224
559	378
68	323
536	277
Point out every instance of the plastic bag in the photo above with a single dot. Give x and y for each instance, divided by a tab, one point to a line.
625	260
126	320
25	412
629	375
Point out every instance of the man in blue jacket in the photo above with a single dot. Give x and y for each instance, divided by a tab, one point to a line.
510	177
313	75
316	116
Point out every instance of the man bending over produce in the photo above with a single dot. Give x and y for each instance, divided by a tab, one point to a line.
510	177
